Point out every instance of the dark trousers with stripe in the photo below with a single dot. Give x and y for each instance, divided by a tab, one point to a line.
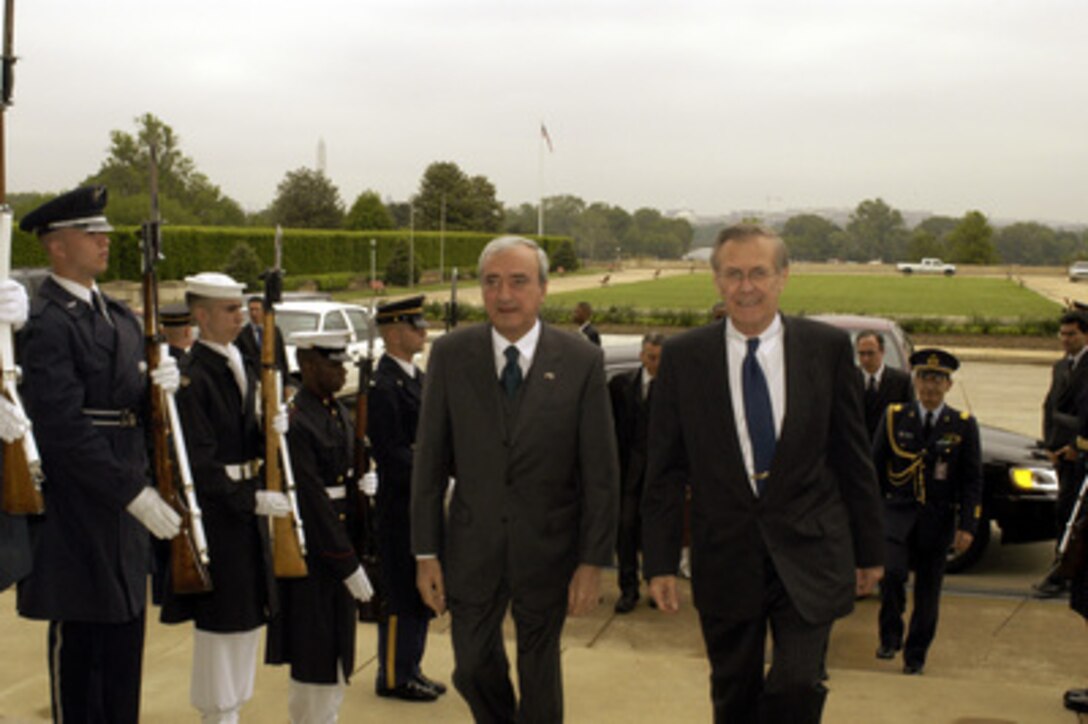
95	671
401	640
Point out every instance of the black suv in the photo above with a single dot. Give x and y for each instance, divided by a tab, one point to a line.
1020	488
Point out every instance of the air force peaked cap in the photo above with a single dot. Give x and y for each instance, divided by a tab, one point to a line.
932	359
332	345
81	208
213	285
408	310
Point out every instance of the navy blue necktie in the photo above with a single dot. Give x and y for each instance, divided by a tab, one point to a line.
758	414
511	372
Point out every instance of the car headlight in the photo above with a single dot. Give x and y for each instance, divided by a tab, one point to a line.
1035	479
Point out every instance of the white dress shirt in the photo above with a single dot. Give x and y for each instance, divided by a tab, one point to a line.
234	361
526	349
771	356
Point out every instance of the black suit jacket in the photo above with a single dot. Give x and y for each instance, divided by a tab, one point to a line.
251	351
536	495
820	515
895	386
590	332
632	416
1060	406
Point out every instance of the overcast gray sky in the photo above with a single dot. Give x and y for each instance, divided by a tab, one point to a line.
712	106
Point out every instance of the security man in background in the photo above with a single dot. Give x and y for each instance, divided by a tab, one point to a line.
883	385
218	404
315	631
250	339
177	328
85	387
927	458
393	410
583	317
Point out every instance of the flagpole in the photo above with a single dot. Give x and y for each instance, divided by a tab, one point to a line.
540	185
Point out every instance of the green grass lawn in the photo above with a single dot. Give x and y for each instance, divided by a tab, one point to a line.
847	293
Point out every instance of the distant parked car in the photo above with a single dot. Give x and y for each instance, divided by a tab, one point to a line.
1019	489
1078	270
326	316
927	266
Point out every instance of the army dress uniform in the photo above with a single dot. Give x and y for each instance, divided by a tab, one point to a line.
315	631
931	485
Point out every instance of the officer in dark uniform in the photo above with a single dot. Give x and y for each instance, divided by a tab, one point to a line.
315	631
85	388
177	328
218	404
393	411
927	458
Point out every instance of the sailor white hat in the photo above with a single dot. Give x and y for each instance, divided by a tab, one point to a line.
215	285
332	344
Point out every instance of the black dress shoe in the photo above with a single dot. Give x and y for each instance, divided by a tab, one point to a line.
437	686
1076	700
1050	588
913	669
887	652
626	603
410	690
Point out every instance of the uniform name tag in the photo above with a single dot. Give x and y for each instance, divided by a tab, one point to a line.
940	470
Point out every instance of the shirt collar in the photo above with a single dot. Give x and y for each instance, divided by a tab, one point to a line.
408	367
773	332
526	345
922	411
76	289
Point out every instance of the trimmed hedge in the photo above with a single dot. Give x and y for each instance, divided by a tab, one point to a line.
191	249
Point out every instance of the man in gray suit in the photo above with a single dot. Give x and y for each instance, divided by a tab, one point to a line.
762	415
518	412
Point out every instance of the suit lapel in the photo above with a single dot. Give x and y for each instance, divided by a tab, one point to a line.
545	372
716	395
799	378
478	367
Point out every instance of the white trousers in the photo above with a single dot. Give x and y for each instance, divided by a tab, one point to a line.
224	666
315	703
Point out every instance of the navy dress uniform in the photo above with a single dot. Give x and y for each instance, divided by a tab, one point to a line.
315	631
927	459
393	405
85	387
217	404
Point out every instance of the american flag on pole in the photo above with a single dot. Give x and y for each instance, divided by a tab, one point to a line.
546	137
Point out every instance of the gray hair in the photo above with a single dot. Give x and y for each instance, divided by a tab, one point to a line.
502	243
747	232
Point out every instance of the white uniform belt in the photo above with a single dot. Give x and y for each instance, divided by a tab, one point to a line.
112	418
337	492
243	471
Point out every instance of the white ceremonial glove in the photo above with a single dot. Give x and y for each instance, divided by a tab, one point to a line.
14	303
359	585
273	504
279	422
167	375
155	513
368	484
13	423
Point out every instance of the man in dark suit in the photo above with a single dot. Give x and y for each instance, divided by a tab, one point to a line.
251	337
883	385
86	391
518	412
927	457
1068	381
762	415
393	408
583	317
630	394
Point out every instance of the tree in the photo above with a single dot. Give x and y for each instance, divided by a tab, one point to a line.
244	265
810	237
448	196
520	220
401	211
186	195
971	242
368	213
876	231
651	234
307	199
396	271
564	257
925	243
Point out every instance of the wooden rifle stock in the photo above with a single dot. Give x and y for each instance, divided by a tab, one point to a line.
188	549
21	493
288	537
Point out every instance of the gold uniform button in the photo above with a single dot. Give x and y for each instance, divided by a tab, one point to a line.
343	517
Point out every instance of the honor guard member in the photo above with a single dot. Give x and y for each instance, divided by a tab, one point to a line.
217	403
393	410
14	540
927	457
85	387
177	328
315	630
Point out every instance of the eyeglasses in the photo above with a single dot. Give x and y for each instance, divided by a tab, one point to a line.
756	276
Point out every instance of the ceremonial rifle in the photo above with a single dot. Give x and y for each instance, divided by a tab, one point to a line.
189	548
288	537
366	545
22	484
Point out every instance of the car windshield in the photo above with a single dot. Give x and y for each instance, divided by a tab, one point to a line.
291	322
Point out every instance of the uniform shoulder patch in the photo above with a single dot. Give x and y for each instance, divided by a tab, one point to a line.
895	406
965	415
